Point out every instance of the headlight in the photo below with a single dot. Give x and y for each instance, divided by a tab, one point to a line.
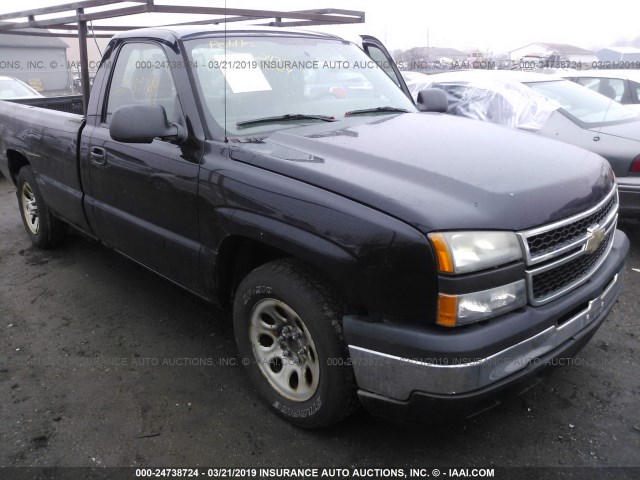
464	252
454	310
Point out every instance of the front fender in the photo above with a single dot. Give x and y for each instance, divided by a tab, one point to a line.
378	262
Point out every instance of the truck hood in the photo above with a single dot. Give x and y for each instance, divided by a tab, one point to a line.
437	171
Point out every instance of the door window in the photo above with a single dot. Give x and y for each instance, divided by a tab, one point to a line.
635	87
142	77
609	87
381	59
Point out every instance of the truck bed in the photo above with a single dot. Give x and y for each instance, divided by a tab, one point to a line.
42	133
68	104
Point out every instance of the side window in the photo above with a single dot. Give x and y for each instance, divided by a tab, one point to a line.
635	87
142	77
609	87
381	59
591	83
617	85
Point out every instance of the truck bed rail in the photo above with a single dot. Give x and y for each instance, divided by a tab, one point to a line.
69	103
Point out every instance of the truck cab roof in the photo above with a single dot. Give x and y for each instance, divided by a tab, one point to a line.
185	32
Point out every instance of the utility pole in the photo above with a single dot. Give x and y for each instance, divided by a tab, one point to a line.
428	48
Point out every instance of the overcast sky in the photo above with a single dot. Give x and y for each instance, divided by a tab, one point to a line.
465	24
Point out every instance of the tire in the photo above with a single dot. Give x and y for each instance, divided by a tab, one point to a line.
45	230
287	324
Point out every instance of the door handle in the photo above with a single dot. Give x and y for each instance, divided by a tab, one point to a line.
98	155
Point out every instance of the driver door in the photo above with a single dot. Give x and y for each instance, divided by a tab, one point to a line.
144	196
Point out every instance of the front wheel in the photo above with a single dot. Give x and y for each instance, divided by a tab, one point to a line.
45	230
287	323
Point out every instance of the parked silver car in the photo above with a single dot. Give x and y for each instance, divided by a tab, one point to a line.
621	85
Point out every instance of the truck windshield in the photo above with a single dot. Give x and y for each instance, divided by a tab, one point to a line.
288	80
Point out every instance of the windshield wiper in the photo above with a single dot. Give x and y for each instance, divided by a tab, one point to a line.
285	118
376	110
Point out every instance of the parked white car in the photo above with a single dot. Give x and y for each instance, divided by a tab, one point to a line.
13	89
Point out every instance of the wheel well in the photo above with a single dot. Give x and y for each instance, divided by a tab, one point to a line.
237	257
15	162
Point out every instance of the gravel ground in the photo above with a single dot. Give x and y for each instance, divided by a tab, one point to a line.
97	369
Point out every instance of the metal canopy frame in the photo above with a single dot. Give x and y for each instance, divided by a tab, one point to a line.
73	20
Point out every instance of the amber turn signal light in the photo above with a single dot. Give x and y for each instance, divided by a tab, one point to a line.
445	262
447	310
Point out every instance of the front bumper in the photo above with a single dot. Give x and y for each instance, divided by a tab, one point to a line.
452	367
629	194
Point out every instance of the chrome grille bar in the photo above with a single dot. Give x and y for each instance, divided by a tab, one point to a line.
525	235
572	237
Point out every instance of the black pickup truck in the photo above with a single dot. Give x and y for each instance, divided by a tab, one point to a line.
373	251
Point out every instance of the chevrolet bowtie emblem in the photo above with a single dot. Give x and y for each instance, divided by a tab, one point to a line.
595	238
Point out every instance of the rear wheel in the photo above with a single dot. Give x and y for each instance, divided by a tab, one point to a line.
45	230
287	324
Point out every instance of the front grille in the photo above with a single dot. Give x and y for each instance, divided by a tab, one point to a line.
556	279
557	259
559	237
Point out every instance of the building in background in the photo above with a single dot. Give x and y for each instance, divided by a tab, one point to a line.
618	54
95	49
555	52
40	62
428	58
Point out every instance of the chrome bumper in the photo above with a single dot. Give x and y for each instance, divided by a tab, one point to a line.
397	378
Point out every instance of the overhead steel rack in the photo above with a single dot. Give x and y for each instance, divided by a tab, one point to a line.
74	19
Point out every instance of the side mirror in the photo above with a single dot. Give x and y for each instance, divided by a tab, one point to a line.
144	123
432	100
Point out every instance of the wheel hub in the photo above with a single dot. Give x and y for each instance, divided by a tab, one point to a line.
284	350
30	209
293	344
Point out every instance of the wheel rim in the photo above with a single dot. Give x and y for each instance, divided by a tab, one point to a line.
30	209
284	350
